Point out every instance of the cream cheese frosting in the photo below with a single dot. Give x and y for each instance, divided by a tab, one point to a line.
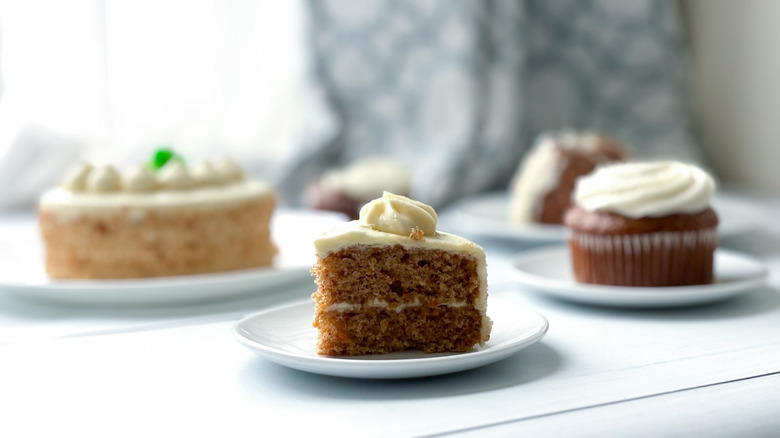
382	304
228	170
103	190
205	174
539	173
103	179
76	179
646	189
140	179
67	201
174	176
356	233
390	220
399	215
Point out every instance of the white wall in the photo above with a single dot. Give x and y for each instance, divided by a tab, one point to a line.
736	79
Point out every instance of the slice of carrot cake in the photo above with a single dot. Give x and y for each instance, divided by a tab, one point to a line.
390	282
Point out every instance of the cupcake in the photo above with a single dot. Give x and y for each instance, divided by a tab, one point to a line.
643	224
347	189
540	191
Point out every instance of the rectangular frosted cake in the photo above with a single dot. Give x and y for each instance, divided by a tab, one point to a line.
390	282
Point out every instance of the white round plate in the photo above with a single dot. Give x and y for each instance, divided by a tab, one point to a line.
486	215
152	291
285	335
548	271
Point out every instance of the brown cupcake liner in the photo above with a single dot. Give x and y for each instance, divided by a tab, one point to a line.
677	258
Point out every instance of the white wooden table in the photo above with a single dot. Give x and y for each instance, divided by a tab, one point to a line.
177	370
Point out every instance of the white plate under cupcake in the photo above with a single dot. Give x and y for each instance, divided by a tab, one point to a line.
285	335
485	216
548	271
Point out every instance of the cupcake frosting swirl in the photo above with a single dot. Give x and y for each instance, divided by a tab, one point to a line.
650	189
398	215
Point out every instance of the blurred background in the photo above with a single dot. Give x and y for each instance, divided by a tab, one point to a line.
456	90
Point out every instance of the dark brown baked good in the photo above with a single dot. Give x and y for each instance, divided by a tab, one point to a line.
542	187
346	190
674	250
327	198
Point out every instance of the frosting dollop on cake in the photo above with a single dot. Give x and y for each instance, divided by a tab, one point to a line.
76	179
228	170
140	179
391	220
399	215
205	174
174	176
89	189
103	179
648	189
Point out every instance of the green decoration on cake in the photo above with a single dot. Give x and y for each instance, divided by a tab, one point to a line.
162	155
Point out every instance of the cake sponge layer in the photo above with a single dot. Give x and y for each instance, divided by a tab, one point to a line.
149	243
377	299
373	330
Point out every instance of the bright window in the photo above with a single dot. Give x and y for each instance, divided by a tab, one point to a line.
205	76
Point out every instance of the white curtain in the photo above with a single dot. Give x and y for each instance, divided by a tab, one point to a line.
108	80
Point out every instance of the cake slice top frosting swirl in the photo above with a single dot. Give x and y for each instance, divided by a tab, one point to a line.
646	189
395	220
400	215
